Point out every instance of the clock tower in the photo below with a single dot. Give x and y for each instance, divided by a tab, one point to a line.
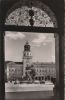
27	57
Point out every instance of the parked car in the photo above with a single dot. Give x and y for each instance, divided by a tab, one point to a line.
42	82
48	82
36	82
16	82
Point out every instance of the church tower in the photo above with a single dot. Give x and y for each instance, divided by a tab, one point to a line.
27	57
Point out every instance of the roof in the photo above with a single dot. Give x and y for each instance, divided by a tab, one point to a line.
7	62
19	62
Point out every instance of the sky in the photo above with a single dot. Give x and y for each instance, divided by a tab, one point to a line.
42	46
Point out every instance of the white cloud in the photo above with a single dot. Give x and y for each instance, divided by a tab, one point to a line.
35	45
43	38
39	39
15	35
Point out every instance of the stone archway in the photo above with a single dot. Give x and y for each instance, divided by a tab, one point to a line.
61	50
24	6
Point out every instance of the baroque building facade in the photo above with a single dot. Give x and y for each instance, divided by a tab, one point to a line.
18	70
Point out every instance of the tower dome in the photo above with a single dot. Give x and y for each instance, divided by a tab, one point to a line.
27	46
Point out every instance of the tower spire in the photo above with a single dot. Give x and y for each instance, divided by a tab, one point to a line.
27	57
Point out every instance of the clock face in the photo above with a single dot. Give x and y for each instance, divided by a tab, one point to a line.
21	17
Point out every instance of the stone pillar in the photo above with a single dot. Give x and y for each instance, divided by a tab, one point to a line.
2	82
57	58
61	64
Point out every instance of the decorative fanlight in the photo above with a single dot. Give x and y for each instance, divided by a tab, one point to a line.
31	14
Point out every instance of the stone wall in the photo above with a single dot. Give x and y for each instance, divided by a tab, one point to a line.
64	50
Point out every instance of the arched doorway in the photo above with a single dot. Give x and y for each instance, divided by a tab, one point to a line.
54	24
18	15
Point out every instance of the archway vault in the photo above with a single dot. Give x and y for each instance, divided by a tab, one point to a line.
17	19
54	29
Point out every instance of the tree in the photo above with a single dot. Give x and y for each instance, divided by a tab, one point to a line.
30	73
